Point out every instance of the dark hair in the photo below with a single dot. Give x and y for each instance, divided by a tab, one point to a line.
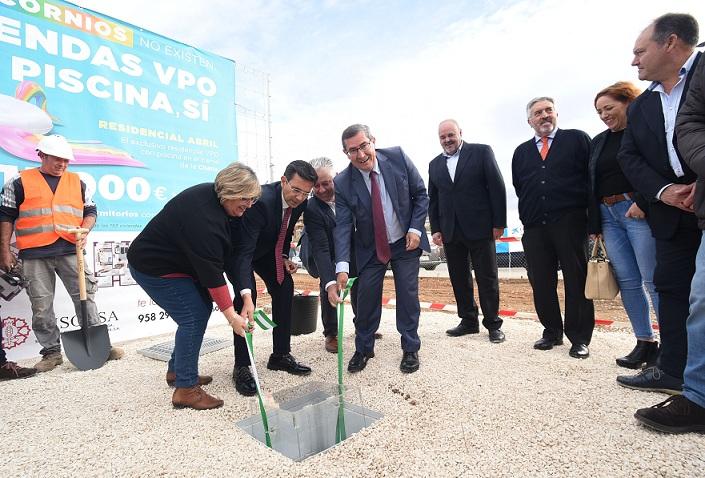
304	170
682	25
623	91
353	130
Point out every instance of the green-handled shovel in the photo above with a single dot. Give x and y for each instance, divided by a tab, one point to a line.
87	348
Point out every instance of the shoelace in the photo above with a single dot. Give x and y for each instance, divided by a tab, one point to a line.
678	399
655	371
12	367
244	373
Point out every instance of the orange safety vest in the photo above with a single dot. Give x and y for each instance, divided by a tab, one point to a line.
44	216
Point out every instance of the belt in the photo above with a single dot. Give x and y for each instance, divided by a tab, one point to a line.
615	198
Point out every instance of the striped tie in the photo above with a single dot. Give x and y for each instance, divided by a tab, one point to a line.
278	251
384	253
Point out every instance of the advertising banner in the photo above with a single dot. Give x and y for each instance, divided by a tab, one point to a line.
146	116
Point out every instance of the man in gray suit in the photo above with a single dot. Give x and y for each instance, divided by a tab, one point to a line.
381	199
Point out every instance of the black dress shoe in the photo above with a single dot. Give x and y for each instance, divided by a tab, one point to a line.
409	362
547	344
463	328
652	379
497	336
358	361
643	353
287	363
244	381
579	351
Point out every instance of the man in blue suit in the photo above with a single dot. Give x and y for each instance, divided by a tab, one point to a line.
381	199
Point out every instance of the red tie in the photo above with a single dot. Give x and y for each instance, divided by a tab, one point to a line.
278	259
384	253
544	147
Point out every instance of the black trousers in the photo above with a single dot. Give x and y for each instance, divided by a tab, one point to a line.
564	241
459	253
328	312
282	297
675	267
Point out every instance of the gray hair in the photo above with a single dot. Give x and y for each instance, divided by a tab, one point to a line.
536	100
449	120
321	162
353	130
682	25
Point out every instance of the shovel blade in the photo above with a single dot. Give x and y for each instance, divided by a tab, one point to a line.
87	349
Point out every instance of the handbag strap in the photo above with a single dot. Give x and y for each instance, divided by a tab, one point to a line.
599	251
593	254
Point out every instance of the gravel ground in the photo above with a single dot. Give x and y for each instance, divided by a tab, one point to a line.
473	409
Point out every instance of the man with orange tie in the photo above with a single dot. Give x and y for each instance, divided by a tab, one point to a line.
381	201
550	176
262	246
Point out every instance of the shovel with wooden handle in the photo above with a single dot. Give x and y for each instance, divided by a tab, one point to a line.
87	348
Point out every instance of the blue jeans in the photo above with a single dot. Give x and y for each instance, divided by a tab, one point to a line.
694	375
632	251
190	307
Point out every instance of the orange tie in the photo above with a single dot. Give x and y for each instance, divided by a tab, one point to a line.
544	147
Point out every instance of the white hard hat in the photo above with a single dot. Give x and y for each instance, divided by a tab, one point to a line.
55	145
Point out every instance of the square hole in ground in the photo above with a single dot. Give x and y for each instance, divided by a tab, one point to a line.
308	419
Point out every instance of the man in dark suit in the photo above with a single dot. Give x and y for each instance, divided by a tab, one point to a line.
550	175
686	413
319	221
664	53
468	213
381	199
261	244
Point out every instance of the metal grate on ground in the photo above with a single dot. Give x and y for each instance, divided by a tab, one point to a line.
163	351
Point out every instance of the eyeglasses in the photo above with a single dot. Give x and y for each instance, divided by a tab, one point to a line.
352	152
297	191
251	200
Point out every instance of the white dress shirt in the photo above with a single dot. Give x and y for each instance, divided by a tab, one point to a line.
669	104
539	144
452	162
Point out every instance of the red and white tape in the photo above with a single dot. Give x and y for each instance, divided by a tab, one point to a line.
440	307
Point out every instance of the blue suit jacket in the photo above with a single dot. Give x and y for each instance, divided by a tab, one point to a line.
257	232
353	205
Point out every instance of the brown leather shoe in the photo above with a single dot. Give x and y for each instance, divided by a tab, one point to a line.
11	371
194	397
116	353
332	344
202	379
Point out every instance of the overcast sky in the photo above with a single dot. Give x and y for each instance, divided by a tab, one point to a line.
403	66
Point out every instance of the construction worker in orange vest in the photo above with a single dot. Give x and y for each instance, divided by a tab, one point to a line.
41	205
